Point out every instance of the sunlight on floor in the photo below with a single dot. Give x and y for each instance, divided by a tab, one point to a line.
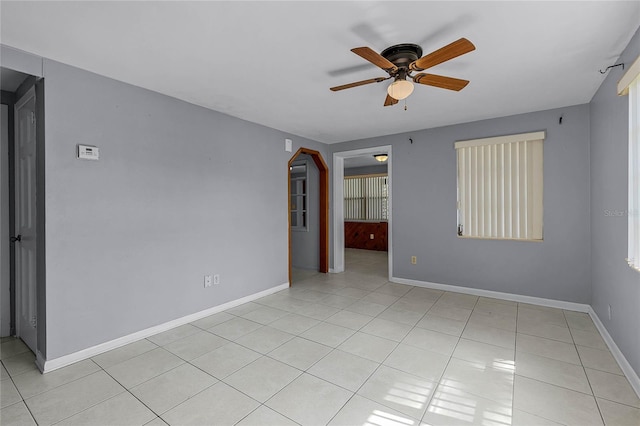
465	408
504	365
446	403
415	394
381	418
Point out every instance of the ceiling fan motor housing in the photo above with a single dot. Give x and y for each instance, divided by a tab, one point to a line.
401	55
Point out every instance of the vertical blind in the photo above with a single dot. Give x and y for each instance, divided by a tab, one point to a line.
500	187
633	213
366	197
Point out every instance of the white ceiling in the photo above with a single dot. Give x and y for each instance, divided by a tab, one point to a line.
273	62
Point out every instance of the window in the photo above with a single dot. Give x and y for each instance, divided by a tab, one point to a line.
299	202
630	84
366	197
500	187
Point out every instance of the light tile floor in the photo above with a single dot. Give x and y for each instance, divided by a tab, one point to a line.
339	349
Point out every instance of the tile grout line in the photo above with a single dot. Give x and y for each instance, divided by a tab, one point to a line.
222	380
333	350
158	375
260	404
515	355
437	381
368	377
56	387
584	370
397	344
218	380
22	400
128	390
555	385
363	383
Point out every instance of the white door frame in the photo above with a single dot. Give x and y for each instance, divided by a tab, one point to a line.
338	203
5	232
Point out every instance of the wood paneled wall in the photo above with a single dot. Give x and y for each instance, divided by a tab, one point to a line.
358	235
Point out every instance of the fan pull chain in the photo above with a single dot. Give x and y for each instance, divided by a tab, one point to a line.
405	104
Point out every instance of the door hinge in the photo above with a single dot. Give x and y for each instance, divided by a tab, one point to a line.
34	321
33	117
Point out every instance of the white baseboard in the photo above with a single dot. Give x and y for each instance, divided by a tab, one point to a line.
626	368
570	306
53	364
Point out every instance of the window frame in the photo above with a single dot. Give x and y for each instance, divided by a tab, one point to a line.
302	215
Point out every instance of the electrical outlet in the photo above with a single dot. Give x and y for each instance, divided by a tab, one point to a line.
207	281
414	260
216	279
609	312
371	236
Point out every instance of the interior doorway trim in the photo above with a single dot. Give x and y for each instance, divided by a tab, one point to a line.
323	206
338	203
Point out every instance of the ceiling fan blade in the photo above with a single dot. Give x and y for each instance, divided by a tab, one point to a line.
390	101
359	83
375	58
450	51
441	81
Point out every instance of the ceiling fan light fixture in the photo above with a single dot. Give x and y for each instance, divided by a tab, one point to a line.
381	157
400	89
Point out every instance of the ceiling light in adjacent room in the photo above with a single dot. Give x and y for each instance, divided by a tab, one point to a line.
381	157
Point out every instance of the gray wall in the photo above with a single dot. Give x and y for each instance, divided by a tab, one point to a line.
179	192
305	245
5	306
365	170
424	210
614	283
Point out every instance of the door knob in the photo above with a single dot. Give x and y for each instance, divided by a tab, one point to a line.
16	239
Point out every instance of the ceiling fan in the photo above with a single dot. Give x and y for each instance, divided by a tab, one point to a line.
401	60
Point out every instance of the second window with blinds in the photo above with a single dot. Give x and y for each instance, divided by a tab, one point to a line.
366	198
500	183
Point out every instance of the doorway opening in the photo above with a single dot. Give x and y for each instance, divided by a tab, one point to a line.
355	257
301	164
21	218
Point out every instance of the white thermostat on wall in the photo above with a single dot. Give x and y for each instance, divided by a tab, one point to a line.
88	152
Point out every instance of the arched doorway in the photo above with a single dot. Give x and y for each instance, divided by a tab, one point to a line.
323	209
